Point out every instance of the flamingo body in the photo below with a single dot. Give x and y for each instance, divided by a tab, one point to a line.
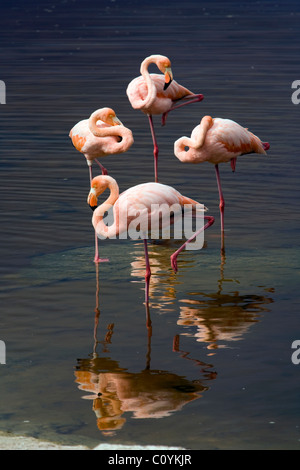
101	135
161	100
217	141
127	205
90	145
155	94
140	201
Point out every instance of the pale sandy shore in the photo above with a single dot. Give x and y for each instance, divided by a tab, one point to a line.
11	442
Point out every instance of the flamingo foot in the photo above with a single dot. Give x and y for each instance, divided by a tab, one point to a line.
164	118
174	262
210	220
184	101
104	170
100	260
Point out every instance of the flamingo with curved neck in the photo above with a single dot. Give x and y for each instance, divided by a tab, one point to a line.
158	94
139	203
217	141
101	135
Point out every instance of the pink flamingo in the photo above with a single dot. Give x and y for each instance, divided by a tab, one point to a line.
101	135
216	141
158	94
144	200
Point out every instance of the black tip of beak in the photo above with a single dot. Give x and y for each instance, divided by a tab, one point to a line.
93	208
167	84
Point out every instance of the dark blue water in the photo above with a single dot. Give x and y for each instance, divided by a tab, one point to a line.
214	370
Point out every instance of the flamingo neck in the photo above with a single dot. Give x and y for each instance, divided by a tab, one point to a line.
100	227
125	135
199	134
183	148
187	149
102	131
151	95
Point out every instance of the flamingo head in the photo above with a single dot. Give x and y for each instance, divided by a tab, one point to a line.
92	199
164	65
98	186
108	116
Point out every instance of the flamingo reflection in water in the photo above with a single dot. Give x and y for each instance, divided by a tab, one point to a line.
150	393
164	282
221	318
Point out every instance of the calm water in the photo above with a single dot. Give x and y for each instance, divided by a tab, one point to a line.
214	371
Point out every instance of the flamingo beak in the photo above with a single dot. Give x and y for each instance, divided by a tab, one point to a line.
168	77
116	121
92	199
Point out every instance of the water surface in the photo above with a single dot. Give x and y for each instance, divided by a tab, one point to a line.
212	367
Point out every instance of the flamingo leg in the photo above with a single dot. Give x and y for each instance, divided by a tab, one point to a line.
176	343
233	163
187	100
149	328
210	220
148	272
222	206
155	146
97	310
104	170
97	259
222	202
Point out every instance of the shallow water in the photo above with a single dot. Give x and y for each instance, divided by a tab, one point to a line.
213	369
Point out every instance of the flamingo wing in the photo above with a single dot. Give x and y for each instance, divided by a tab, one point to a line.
87	143
152	201
234	138
149	194
137	92
79	134
174	91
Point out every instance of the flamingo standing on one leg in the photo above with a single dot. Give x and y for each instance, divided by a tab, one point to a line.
158	94
139	203
216	141
101	135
